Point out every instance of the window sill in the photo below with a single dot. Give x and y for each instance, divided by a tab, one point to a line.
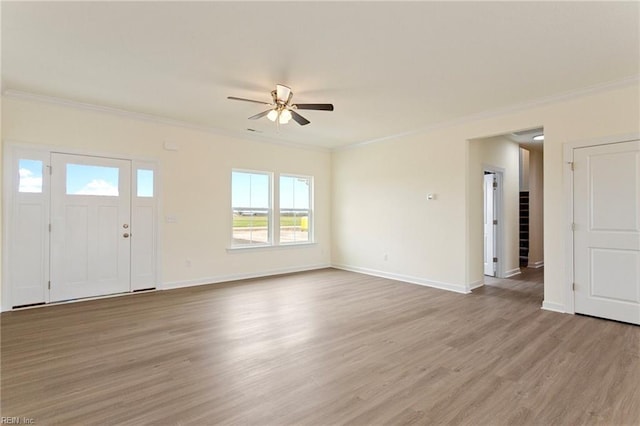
284	246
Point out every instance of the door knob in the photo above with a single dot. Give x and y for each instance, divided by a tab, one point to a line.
126	235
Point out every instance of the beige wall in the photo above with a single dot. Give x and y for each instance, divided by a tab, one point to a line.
380	221
379	192
524	169
536	208
381	208
194	183
503	154
1	208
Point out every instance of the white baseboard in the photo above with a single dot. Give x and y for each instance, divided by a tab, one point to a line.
554	307
512	272
243	276
405	278
536	265
475	284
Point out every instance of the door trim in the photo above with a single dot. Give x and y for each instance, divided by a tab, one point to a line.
498	214
72	275
567	174
12	150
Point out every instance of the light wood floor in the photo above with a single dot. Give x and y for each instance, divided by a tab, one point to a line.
320	348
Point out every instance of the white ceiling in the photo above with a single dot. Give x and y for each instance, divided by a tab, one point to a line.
524	138
388	67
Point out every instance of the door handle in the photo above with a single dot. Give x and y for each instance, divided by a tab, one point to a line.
126	235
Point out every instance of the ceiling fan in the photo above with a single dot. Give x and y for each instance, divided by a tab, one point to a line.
281	109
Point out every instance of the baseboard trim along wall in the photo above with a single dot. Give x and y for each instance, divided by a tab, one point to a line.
553	307
475	284
512	272
536	265
405	278
235	277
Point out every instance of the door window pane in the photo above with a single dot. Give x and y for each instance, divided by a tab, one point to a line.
30	172
145	183
92	180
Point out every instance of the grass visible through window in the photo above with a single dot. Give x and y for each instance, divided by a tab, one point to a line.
261	221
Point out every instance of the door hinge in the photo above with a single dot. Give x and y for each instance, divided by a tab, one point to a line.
50	170
49	285
495	184
495	221
571	165
573	226
573	286
49	227
495	260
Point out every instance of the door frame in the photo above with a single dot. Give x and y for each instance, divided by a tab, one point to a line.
567	174
498	214
63	259
12	151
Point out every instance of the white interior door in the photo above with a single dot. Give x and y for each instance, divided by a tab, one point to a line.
90	217
489	227
607	231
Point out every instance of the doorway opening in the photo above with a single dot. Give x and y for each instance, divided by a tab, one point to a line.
530	197
506	171
78	225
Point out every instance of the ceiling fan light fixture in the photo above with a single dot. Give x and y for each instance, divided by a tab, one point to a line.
273	115
282	110
285	116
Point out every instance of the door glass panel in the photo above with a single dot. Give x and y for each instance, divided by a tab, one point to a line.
30	172
92	180
145	183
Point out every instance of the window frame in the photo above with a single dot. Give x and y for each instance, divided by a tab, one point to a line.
310	220
270	210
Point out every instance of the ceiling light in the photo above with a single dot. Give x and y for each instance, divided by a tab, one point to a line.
285	116
273	115
538	138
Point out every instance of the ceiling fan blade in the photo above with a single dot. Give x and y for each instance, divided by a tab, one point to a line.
283	93
260	115
248	100
319	107
299	119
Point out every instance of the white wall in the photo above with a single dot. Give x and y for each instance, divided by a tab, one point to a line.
501	153
195	184
379	191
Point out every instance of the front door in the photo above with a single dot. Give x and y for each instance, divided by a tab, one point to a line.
607	231
90	217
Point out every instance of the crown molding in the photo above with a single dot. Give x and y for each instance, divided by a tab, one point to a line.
140	116
598	88
562	97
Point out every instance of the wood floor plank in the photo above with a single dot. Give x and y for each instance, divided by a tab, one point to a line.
325	347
